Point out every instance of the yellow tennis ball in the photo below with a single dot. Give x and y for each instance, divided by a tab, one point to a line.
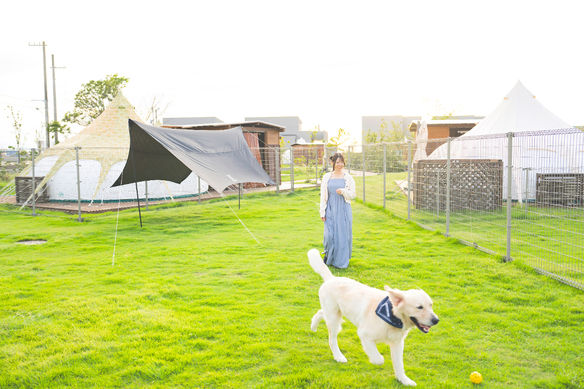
476	377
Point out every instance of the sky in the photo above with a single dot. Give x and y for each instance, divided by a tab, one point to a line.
327	62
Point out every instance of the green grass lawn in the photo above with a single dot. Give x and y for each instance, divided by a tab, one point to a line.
194	301
547	238
302	173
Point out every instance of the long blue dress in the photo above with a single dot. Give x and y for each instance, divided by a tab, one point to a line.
338	227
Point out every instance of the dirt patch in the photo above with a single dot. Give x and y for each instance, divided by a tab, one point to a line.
36	241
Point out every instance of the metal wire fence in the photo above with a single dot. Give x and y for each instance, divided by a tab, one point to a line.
79	179
518	195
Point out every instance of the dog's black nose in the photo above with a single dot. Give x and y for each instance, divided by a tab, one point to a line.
435	321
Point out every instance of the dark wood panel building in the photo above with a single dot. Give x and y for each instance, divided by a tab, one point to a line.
262	138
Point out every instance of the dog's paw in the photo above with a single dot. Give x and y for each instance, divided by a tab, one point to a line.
341	359
407	382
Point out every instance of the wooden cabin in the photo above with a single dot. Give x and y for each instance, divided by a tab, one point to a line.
443	129
309	151
262	138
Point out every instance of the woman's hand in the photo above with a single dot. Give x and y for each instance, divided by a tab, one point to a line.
323	218
339	191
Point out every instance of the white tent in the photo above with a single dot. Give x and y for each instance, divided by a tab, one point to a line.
542	142
103	151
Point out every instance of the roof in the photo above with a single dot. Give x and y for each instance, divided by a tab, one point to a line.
519	111
181	121
225	126
450	122
106	140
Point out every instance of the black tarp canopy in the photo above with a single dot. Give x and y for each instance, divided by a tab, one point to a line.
221	158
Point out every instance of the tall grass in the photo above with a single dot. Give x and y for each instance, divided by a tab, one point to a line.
192	300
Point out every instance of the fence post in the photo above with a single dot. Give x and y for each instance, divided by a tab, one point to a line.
349	159
146	192
363	151
33	185
526	187
384	171
199	188
509	192
277	150
409	178
291	169
437	192
448	189
78	184
316	168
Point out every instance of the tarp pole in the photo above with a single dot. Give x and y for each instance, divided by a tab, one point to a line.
33	185
135	181
78	184
199	180
240	195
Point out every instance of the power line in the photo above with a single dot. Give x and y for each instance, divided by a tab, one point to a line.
17	98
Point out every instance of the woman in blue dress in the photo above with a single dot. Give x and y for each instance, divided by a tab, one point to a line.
336	192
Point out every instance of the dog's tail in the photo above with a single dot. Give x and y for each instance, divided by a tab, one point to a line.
318	265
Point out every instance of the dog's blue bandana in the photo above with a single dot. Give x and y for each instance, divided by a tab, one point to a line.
384	312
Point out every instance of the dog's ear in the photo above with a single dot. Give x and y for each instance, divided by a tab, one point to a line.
396	296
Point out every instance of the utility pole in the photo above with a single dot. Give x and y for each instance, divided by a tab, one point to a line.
55	95
48	140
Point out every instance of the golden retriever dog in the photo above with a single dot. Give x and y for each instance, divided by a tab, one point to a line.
380	315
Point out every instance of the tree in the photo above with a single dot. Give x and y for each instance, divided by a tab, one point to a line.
342	138
283	143
152	108
58	128
19	137
313	133
38	136
93	97
385	134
